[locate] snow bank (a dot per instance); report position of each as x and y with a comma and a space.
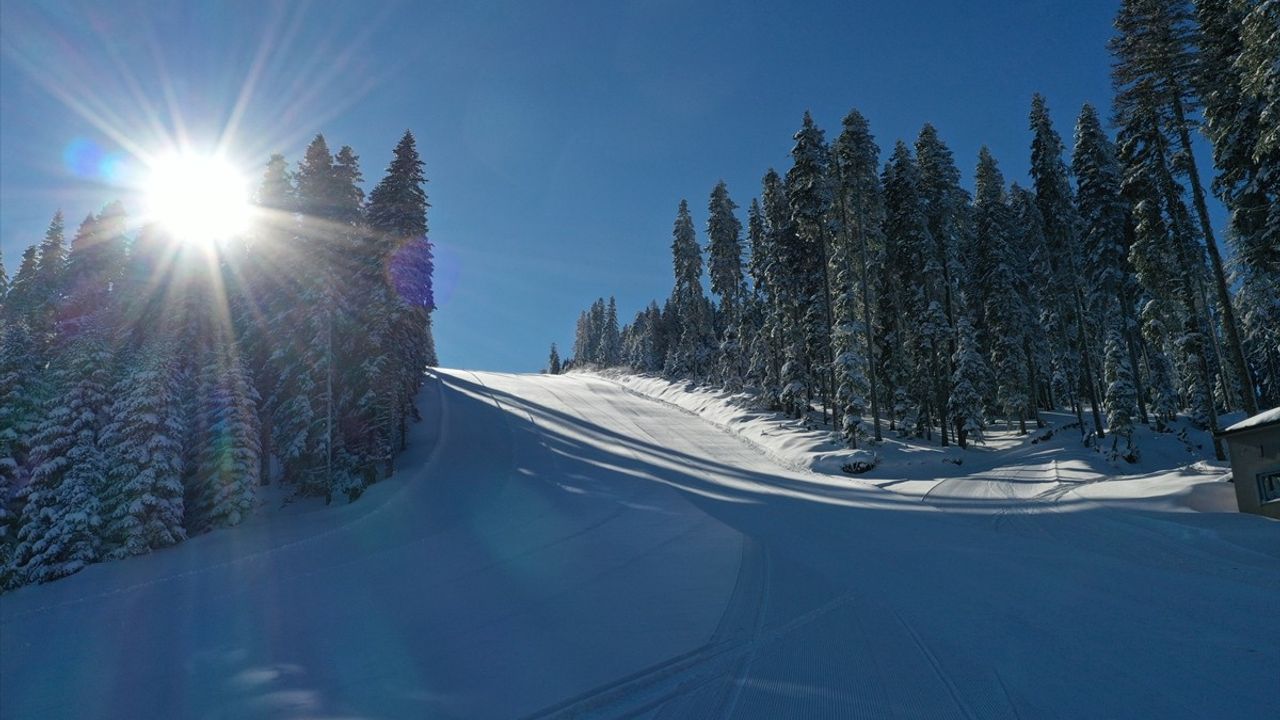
1173, 473
789, 442
1200, 487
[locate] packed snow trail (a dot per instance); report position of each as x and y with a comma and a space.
564, 548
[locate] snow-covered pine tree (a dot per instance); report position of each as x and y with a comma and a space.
553, 363
764, 366
1164, 254
1163, 395
1260, 78
1032, 276
994, 285
1259, 301
1103, 215
1251, 134
693, 349
320, 368
1155, 71
789, 299
611, 337
96, 261
1259, 252
1248, 179
642, 340
966, 400
1121, 396
1158, 273
399, 211
905, 353
258, 301
224, 479
20, 399
724, 265
142, 444
658, 330
582, 338
855, 166
595, 332
52, 260
349, 466
4, 286
22, 288
809, 197
947, 216
931, 333
302, 353
932, 296
61, 520
47, 284
1057, 209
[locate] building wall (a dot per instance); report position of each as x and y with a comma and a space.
1253, 453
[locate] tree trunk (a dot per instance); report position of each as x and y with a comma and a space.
824, 242
1234, 347
868, 332
264, 439
328, 403
941, 393
1125, 311
1089, 384
1032, 382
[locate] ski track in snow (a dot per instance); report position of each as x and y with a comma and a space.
566, 547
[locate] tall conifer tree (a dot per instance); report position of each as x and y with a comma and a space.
1155, 72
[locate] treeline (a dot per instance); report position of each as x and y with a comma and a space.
148, 387
890, 290
597, 338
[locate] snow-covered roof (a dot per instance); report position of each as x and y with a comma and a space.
1268, 417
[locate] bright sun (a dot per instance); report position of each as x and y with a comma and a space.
197, 198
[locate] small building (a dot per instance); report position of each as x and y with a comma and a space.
1254, 444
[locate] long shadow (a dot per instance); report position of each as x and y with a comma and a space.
739, 496
547, 419
593, 444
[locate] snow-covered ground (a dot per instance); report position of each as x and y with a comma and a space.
1171, 472
568, 547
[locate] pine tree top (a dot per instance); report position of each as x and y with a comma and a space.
856, 154
1155, 55
52, 252
988, 186
276, 190
398, 204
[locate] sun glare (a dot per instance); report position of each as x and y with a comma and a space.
197, 198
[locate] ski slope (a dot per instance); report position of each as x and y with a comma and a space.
557, 546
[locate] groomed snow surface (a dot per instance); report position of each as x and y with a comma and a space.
565, 546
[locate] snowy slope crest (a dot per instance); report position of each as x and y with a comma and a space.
789, 442
1174, 471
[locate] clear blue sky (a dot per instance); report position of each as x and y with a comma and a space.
558, 137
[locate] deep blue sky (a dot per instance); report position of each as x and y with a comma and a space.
558, 137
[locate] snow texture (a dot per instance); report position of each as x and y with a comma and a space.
559, 546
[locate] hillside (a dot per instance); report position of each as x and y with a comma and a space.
564, 547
